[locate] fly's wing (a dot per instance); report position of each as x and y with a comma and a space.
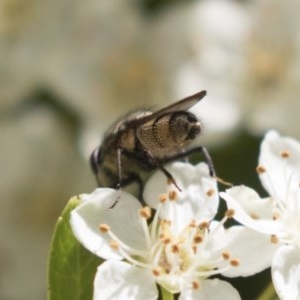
181, 105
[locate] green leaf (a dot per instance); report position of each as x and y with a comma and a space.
71, 268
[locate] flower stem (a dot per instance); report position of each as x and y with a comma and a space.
166, 295
268, 294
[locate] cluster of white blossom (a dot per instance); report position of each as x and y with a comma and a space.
175, 241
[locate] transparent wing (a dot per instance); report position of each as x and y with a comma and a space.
181, 105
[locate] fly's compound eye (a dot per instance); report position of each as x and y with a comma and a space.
194, 130
194, 126
95, 160
185, 127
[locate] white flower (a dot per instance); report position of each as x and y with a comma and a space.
279, 214
181, 248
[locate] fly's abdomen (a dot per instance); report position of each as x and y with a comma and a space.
155, 135
168, 133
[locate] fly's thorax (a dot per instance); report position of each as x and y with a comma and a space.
169, 133
127, 132
127, 140
122, 133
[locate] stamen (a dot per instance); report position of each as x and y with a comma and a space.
230, 213
134, 261
213, 262
145, 212
104, 228
274, 239
156, 253
204, 225
193, 224
285, 154
226, 255
198, 238
210, 193
253, 216
155, 221
196, 285
114, 245
261, 169
165, 223
163, 198
166, 240
175, 248
212, 272
234, 262
156, 272
125, 247
173, 195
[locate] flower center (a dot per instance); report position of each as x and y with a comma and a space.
178, 258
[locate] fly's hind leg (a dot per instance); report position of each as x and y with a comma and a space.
207, 157
189, 152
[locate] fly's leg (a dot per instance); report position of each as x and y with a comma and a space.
133, 177
189, 152
160, 166
94, 163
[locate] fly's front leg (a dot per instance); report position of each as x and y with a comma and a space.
207, 157
94, 163
169, 176
160, 166
119, 168
209, 162
189, 152
119, 172
131, 178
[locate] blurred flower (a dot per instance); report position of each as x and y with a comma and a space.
218, 32
272, 85
181, 248
279, 214
246, 54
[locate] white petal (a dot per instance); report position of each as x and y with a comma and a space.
104, 193
122, 219
278, 169
286, 273
253, 205
214, 289
241, 193
193, 201
253, 250
118, 280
